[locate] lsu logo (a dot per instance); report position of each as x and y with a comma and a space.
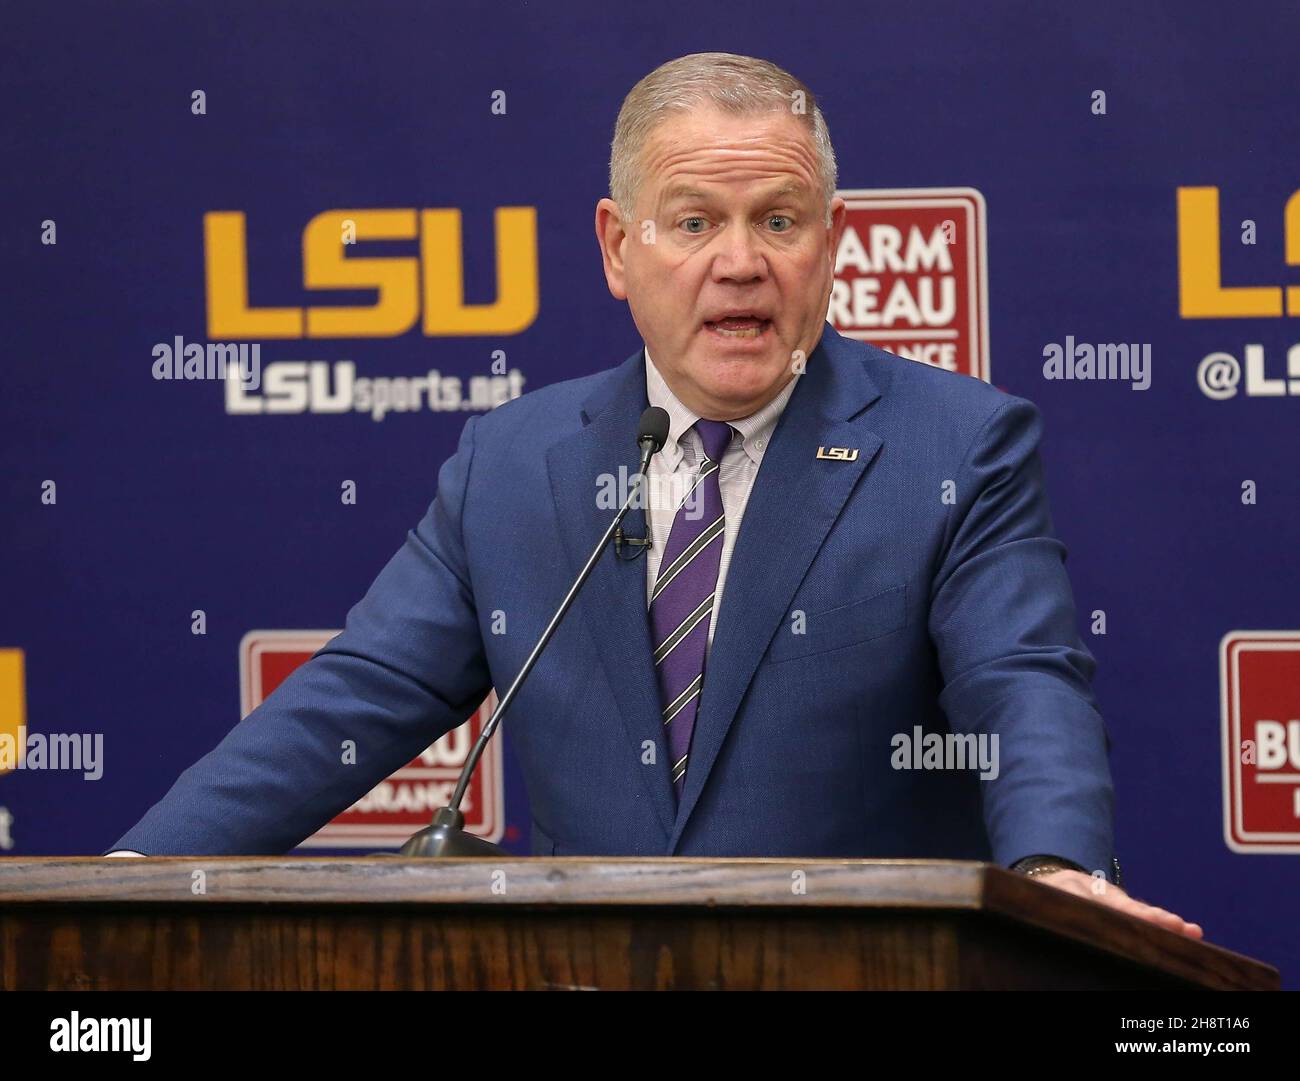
1202, 294
838, 454
430, 284
1259, 679
403, 803
1252, 367
911, 276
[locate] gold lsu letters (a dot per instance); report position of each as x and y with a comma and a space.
1202, 294
432, 280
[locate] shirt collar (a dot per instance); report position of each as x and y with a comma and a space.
755, 430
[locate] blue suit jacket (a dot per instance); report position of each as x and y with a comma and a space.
932, 593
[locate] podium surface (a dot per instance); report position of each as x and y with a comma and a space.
384, 923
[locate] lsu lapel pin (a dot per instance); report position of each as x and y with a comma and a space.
838, 454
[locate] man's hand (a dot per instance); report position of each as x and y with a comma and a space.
1098, 889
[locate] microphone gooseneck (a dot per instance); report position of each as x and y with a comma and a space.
445, 835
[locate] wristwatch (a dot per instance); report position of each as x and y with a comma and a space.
1043, 865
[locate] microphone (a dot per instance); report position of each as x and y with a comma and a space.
654, 426
445, 836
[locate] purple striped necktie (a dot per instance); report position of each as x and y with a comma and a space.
681, 603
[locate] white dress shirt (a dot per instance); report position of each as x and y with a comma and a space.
674, 469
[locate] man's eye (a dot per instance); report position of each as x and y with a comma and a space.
687, 221
781, 217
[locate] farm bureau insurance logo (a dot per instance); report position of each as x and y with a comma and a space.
403, 803
911, 275
1259, 681
1256, 352
425, 287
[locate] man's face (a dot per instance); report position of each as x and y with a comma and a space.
729, 222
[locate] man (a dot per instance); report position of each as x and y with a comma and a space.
738, 691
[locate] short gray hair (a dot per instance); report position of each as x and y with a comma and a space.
739, 85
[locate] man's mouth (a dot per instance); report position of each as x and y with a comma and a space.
739, 326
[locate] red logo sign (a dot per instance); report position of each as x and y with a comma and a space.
404, 803
911, 276
1260, 687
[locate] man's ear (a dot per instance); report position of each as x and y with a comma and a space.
839, 217
612, 237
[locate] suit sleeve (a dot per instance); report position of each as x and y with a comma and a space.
408, 667
1002, 619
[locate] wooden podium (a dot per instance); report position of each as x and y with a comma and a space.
385, 923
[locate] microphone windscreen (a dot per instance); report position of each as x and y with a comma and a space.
654, 426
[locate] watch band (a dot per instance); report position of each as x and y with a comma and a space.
1040, 869
1045, 864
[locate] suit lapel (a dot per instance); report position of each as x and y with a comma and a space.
613, 602
795, 500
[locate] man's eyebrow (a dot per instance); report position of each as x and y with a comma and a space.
682, 191
786, 189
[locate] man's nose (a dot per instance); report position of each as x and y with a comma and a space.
740, 256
